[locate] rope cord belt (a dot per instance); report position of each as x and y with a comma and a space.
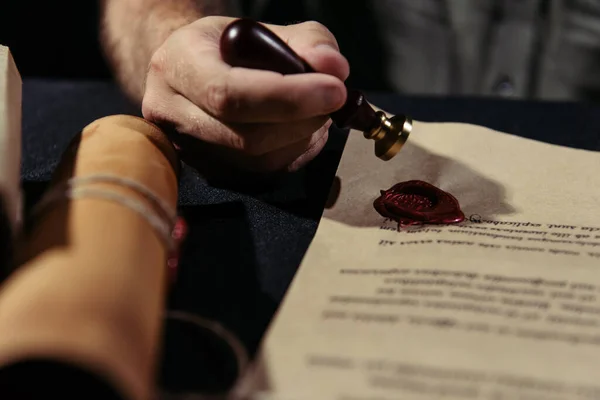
162, 222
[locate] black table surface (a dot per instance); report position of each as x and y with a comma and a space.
244, 248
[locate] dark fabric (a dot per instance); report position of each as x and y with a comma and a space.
47, 379
54, 38
6, 242
244, 248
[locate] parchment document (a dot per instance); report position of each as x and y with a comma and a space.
505, 305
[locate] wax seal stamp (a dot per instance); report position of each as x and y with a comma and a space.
249, 44
417, 203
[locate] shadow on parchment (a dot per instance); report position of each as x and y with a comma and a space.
217, 281
352, 195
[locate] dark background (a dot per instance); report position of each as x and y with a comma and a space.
59, 39
54, 39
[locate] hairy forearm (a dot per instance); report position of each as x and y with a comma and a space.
131, 30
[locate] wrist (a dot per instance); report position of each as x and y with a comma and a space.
133, 30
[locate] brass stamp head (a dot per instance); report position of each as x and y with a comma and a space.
389, 135
249, 44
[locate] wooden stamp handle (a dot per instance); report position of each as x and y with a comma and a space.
249, 44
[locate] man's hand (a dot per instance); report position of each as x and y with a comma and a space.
259, 120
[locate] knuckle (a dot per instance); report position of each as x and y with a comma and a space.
151, 108
157, 63
317, 28
237, 142
156, 108
250, 144
206, 29
219, 101
213, 23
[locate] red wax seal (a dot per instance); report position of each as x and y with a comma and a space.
416, 203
